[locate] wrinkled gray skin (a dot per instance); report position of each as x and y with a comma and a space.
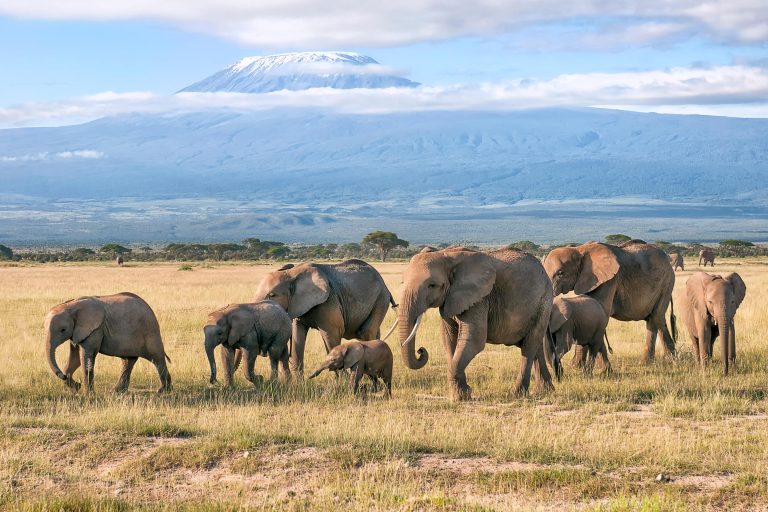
119, 261
347, 300
707, 256
632, 282
259, 328
501, 297
372, 358
120, 325
580, 320
676, 260
709, 303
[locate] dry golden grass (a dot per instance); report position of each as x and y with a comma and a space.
594, 443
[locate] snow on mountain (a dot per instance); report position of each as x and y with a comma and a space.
300, 71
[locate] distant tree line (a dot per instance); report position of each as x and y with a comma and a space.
376, 245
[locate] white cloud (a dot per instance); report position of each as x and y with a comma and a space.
308, 24
45, 156
737, 85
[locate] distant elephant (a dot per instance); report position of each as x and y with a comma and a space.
581, 320
676, 260
709, 303
500, 297
347, 300
120, 325
631, 282
707, 255
372, 358
260, 328
119, 260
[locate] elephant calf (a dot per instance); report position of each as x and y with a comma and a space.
580, 320
259, 328
372, 358
709, 303
120, 325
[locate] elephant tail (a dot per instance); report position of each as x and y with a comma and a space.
673, 320
607, 343
556, 363
392, 301
166, 356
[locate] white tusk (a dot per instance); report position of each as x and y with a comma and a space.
391, 330
413, 332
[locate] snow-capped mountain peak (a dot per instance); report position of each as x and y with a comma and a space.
299, 71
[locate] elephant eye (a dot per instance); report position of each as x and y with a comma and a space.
63, 329
271, 295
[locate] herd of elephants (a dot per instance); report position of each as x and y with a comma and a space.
505, 296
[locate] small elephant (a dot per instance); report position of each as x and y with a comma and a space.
372, 358
709, 305
120, 325
259, 328
119, 260
580, 320
707, 255
676, 260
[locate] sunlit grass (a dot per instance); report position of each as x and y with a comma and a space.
595, 442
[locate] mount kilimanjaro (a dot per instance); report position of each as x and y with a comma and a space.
301, 174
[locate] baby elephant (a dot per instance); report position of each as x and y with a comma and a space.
259, 328
582, 320
120, 325
709, 303
372, 358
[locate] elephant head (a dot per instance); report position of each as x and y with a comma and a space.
226, 326
452, 280
718, 298
296, 288
341, 357
581, 269
73, 320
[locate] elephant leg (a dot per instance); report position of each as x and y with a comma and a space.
354, 379
228, 357
602, 350
592, 351
72, 365
651, 330
579, 359
125, 375
449, 333
284, 366
695, 343
87, 360
704, 347
163, 373
732, 343
473, 331
250, 363
298, 340
541, 372
273, 365
374, 383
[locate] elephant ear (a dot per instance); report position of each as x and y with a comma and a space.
472, 278
558, 317
89, 315
739, 287
353, 354
308, 289
241, 323
598, 266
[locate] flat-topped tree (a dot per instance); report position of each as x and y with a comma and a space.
617, 239
385, 241
114, 249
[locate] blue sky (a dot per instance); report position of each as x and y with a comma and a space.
57, 51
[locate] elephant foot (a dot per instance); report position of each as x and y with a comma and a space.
461, 393
164, 389
120, 389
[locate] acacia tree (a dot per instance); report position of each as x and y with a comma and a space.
385, 241
617, 239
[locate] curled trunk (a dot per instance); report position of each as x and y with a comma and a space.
408, 318
51, 351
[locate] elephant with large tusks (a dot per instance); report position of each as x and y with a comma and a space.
120, 325
347, 300
709, 303
631, 282
501, 297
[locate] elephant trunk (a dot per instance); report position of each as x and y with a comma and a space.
51, 350
724, 325
409, 318
210, 344
320, 370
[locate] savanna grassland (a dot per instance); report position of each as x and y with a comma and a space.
595, 443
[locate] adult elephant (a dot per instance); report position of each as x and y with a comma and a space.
347, 300
501, 297
707, 255
631, 282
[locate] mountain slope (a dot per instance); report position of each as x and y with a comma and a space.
300, 71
